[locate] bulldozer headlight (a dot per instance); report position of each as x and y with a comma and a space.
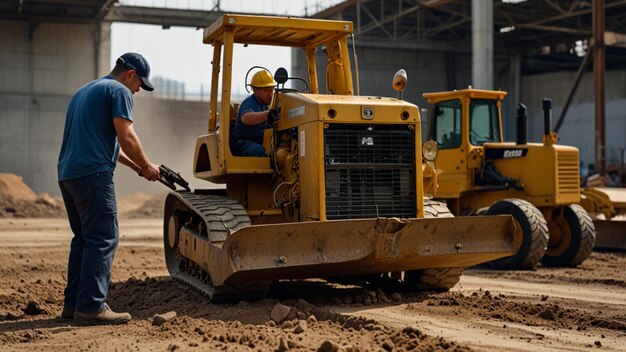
429, 150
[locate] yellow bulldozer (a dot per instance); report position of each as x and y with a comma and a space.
340, 193
537, 183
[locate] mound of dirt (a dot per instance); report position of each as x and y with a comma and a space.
131, 202
151, 207
17, 200
44, 206
12, 187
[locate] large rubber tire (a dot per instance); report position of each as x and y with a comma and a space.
434, 279
534, 234
572, 237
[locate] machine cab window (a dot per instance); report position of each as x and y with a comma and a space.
446, 124
484, 123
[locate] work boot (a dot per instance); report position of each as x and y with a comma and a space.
67, 313
103, 317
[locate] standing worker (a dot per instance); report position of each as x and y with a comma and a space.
97, 123
253, 116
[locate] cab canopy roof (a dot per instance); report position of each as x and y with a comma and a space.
469, 92
280, 31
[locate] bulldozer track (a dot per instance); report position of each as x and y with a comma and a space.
220, 217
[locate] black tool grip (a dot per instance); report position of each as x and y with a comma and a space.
170, 178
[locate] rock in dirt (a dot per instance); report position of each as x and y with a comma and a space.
33, 308
50, 298
161, 319
300, 328
282, 345
279, 313
328, 346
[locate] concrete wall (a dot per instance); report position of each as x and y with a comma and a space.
41, 66
51, 58
40, 71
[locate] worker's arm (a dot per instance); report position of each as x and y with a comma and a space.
131, 147
125, 160
254, 118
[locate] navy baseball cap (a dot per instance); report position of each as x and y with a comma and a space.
134, 61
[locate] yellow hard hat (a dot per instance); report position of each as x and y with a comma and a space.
262, 79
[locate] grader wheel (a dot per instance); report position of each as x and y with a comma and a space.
534, 233
572, 236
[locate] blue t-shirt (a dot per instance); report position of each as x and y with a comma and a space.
250, 132
90, 142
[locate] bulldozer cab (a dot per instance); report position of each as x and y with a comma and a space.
451, 128
467, 125
213, 158
462, 122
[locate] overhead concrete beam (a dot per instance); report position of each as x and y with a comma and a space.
162, 16
430, 46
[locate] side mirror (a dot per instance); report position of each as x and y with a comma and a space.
399, 82
281, 76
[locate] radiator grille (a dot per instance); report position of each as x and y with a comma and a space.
370, 171
568, 181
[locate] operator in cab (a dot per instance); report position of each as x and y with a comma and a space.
253, 117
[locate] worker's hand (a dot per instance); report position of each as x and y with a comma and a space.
150, 171
273, 115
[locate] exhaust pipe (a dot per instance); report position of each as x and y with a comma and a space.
521, 124
549, 137
546, 105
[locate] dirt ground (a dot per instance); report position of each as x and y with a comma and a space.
543, 310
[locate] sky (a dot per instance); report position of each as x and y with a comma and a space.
178, 53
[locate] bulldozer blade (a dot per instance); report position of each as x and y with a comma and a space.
616, 195
610, 234
611, 229
354, 247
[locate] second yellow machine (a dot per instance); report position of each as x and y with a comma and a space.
341, 192
537, 183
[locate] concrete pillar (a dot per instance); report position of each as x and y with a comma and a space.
102, 49
482, 44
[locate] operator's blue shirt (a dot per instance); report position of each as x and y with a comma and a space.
250, 132
90, 142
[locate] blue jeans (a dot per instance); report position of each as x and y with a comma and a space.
245, 147
92, 213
